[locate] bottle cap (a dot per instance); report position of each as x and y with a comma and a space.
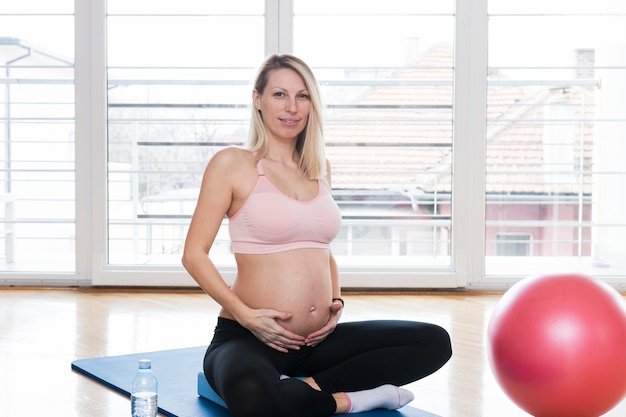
145, 364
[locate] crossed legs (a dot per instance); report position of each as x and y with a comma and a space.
357, 356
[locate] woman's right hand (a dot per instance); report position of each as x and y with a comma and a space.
265, 325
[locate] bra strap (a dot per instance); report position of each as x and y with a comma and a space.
259, 168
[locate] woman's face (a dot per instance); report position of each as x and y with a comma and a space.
284, 105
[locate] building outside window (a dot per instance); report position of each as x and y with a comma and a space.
513, 245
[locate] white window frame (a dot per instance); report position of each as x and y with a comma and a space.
468, 178
468, 204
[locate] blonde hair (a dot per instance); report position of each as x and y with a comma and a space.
310, 142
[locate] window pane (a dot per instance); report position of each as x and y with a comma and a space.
386, 69
37, 200
555, 136
512, 245
170, 107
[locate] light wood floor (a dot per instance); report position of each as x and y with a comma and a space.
43, 330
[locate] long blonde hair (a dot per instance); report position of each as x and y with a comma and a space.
310, 142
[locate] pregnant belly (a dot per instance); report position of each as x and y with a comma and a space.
296, 282
306, 322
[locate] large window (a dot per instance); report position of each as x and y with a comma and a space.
388, 109
389, 97
470, 145
37, 170
556, 136
175, 97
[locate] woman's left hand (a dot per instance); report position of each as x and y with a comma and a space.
319, 335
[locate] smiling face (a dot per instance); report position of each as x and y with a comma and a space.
284, 104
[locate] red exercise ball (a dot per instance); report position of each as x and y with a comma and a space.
557, 345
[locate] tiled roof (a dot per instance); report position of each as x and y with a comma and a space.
400, 134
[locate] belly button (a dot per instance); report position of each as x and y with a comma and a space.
312, 309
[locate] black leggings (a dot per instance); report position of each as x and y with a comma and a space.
359, 355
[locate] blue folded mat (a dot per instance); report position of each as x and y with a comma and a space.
183, 390
206, 391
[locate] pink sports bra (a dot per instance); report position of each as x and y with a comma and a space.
270, 221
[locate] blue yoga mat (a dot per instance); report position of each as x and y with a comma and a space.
177, 371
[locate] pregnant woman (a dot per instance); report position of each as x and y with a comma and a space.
279, 319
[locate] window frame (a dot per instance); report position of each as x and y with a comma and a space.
279, 18
468, 202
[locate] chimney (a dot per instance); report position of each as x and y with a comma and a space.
585, 63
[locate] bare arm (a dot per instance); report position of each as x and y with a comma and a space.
213, 203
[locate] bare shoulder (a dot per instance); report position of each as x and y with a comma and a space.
232, 169
231, 157
231, 162
231, 173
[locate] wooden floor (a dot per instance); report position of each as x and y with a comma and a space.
43, 330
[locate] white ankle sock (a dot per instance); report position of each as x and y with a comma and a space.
385, 396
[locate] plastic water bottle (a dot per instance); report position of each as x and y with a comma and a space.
143, 394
